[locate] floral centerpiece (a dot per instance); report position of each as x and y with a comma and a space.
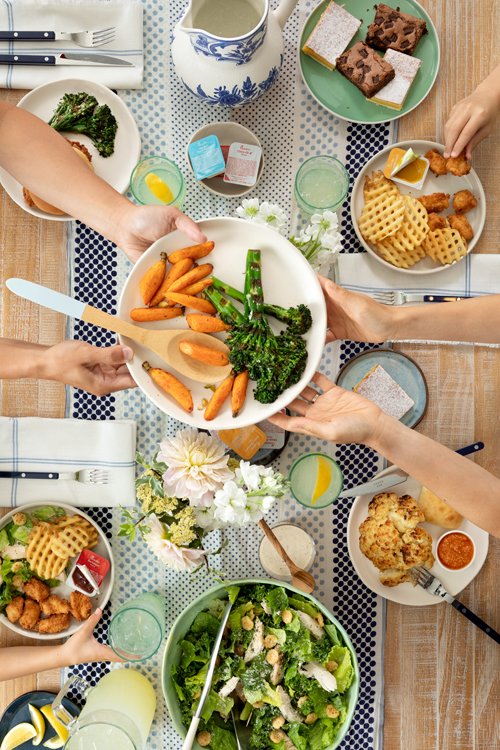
192, 487
319, 242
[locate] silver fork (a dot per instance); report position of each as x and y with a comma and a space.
87, 476
433, 585
400, 298
95, 38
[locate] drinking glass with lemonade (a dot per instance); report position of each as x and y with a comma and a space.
315, 480
158, 181
321, 184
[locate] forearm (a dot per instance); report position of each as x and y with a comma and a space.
476, 320
22, 359
470, 489
42, 160
491, 84
17, 661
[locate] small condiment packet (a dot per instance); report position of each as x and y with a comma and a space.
242, 164
245, 441
206, 157
88, 572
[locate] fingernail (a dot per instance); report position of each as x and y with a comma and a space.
127, 353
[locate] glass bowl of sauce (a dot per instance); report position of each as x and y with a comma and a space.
455, 550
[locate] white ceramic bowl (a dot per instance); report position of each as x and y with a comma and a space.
102, 548
227, 133
447, 533
288, 280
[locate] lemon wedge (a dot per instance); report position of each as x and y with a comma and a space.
38, 722
61, 730
18, 735
159, 188
54, 743
323, 479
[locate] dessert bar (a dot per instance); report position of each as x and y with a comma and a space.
378, 386
406, 68
365, 69
391, 29
331, 35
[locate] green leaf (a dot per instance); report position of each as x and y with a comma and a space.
204, 622
4, 539
222, 739
48, 512
277, 600
332, 633
344, 674
215, 702
304, 606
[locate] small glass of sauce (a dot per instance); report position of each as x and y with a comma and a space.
455, 550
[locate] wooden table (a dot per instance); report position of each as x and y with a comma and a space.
441, 673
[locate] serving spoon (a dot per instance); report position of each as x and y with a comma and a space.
163, 343
300, 578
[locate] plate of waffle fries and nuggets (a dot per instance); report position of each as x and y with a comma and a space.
56, 568
415, 211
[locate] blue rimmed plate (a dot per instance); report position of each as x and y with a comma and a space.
18, 712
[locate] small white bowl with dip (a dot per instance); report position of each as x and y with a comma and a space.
296, 542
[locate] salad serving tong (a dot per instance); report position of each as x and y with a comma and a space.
96, 38
433, 585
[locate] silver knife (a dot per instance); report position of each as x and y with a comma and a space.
193, 727
66, 58
398, 477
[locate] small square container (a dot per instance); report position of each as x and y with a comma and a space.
243, 162
206, 157
88, 572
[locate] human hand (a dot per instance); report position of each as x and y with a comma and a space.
83, 648
470, 121
98, 370
336, 414
355, 317
140, 226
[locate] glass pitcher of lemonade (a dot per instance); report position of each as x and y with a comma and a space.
118, 712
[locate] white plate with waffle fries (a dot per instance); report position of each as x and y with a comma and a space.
399, 231
379, 541
39, 544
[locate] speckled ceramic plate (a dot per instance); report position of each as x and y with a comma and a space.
339, 96
404, 370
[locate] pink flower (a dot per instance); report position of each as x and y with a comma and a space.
177, 558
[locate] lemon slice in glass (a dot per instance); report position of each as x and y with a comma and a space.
38, 722
323, 478
58, 726
18, 735
159, 188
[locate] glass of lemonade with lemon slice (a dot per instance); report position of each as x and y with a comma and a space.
158, 181
315, 480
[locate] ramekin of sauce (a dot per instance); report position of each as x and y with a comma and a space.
455, 550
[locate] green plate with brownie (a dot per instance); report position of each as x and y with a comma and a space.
338, 95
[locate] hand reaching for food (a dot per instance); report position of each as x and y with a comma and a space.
83, 648
473, 118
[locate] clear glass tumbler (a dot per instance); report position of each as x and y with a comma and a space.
321, 184
158, 181
137, 629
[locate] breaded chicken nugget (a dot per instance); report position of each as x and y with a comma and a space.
54, 605
436, 221
435, 202
464, 201
437, 162
81, 606
37, 590
30, 615
14, 609
461, 224
458, 165
54, 624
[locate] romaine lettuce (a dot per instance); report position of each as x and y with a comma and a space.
4, 539
216, 703
301, 604
204, 622
344, 674
277, 600
222, 739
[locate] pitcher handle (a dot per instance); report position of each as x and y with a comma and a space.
284, 11
60, 712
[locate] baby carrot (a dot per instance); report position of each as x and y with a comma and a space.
196, 274
194, 251
175, 272
206, 354
152, 279
220, 394
194, 289
171, 385
186, 300
206, 323
239, 392
145, 314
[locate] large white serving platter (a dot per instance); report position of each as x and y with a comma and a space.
288, 280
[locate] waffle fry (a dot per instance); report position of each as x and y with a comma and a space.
39, 554
381, 217
404, 248
445, 245
81, 523
377, 185
69, 541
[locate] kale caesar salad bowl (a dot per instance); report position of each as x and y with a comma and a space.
286, 668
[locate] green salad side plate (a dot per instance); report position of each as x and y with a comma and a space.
339, 96
184, 621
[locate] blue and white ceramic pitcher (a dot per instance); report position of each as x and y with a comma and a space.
230, 52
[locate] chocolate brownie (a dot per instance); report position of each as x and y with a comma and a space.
365, 69
391, 29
